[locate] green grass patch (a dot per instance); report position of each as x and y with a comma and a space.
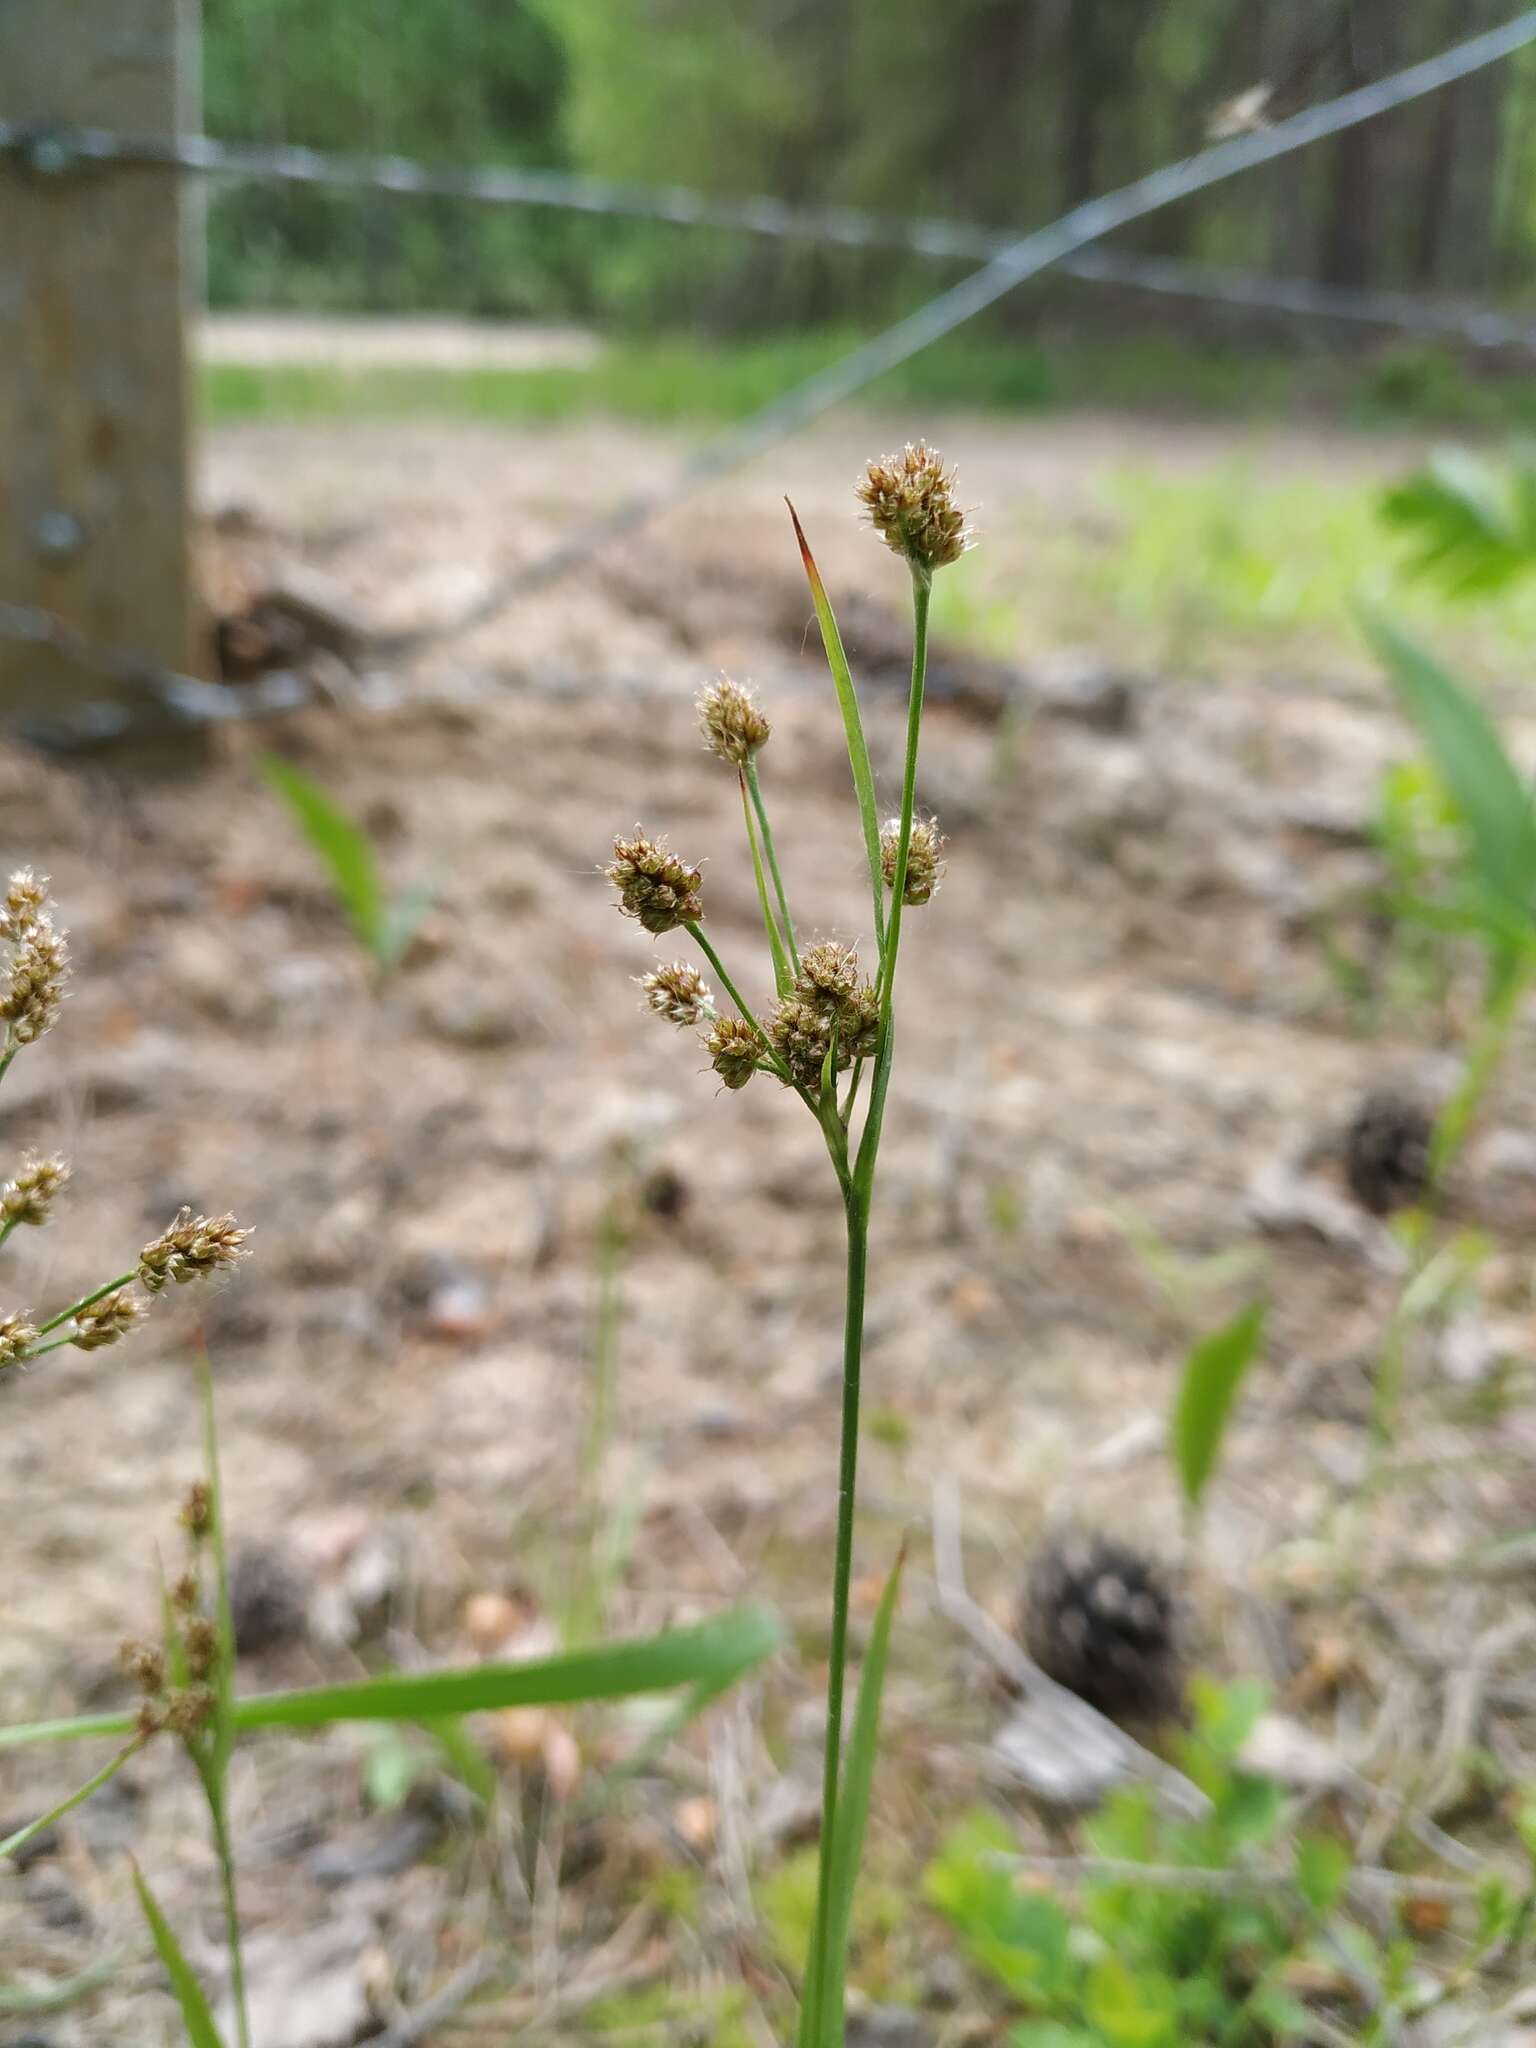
1182, 569
669, 379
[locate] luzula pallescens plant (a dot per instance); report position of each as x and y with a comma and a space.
831, 1017
34, 970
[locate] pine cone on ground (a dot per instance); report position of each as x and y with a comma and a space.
1386, 1152
1101, 1619
266, 1602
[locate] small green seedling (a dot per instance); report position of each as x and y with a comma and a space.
383, 925
1213, 1373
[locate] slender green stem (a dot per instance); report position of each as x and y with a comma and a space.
739, 1000
224, 1849
42, 1350
64, 1314
869, 1143
22, 1836
781, 968
7, 1227
856, 1205
785, 920
7, 1056
853, 1092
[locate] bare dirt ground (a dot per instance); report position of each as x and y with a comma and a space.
1116, 1023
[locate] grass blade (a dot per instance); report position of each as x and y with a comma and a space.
853, 1814
715, 1650
195, 2013
853, 726
1470, 759
713, 1654
1212, 1374
344, 849
22, 1836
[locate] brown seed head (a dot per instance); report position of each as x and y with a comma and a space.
107, 1320
202, 1640
28, 1198
149, 1721
731, 723
910, 500
35, 989
679, 993
186, 1593
191, 1247
830, 998
734, 1050
189, 1711
925, 861
17, 1336
145, 1665
653, 884
25, 901
197, 1510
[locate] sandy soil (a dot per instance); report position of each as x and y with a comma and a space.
1115, 1017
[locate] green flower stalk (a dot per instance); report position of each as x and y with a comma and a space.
829, 1019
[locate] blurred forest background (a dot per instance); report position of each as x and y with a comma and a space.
1000, 111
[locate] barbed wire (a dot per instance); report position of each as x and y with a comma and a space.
51, 150
55, 149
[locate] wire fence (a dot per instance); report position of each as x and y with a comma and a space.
1007, 261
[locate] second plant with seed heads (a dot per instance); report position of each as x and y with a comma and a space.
831, 1021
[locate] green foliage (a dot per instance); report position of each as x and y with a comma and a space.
1484, 784
1131, 1963
381, 924
1472, 522
195, 2013
1213, 1373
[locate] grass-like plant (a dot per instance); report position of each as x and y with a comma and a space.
829, 1023
186, 1678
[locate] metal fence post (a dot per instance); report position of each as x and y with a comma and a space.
97, 268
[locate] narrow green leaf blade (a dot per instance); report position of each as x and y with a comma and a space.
343, 847
1212, 1374
712, 1652
1470, 759
853, 724
20, 1838
195, 2013
852, 1814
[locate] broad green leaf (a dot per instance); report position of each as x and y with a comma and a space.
852, 1814
195, 2013
342, 845
1471, 760
710, 1653
1468, 522
1322, 1871
23, 1835
853, 725
1213, 1372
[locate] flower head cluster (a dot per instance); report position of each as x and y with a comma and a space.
679, 993
732, 725
830, 1003
734, 1049
654, 885
34, 986
17, 1336
191, 1247
925, 858
910, 500
24, 905
103, 1322
29, 1196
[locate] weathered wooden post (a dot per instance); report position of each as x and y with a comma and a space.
98, 265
